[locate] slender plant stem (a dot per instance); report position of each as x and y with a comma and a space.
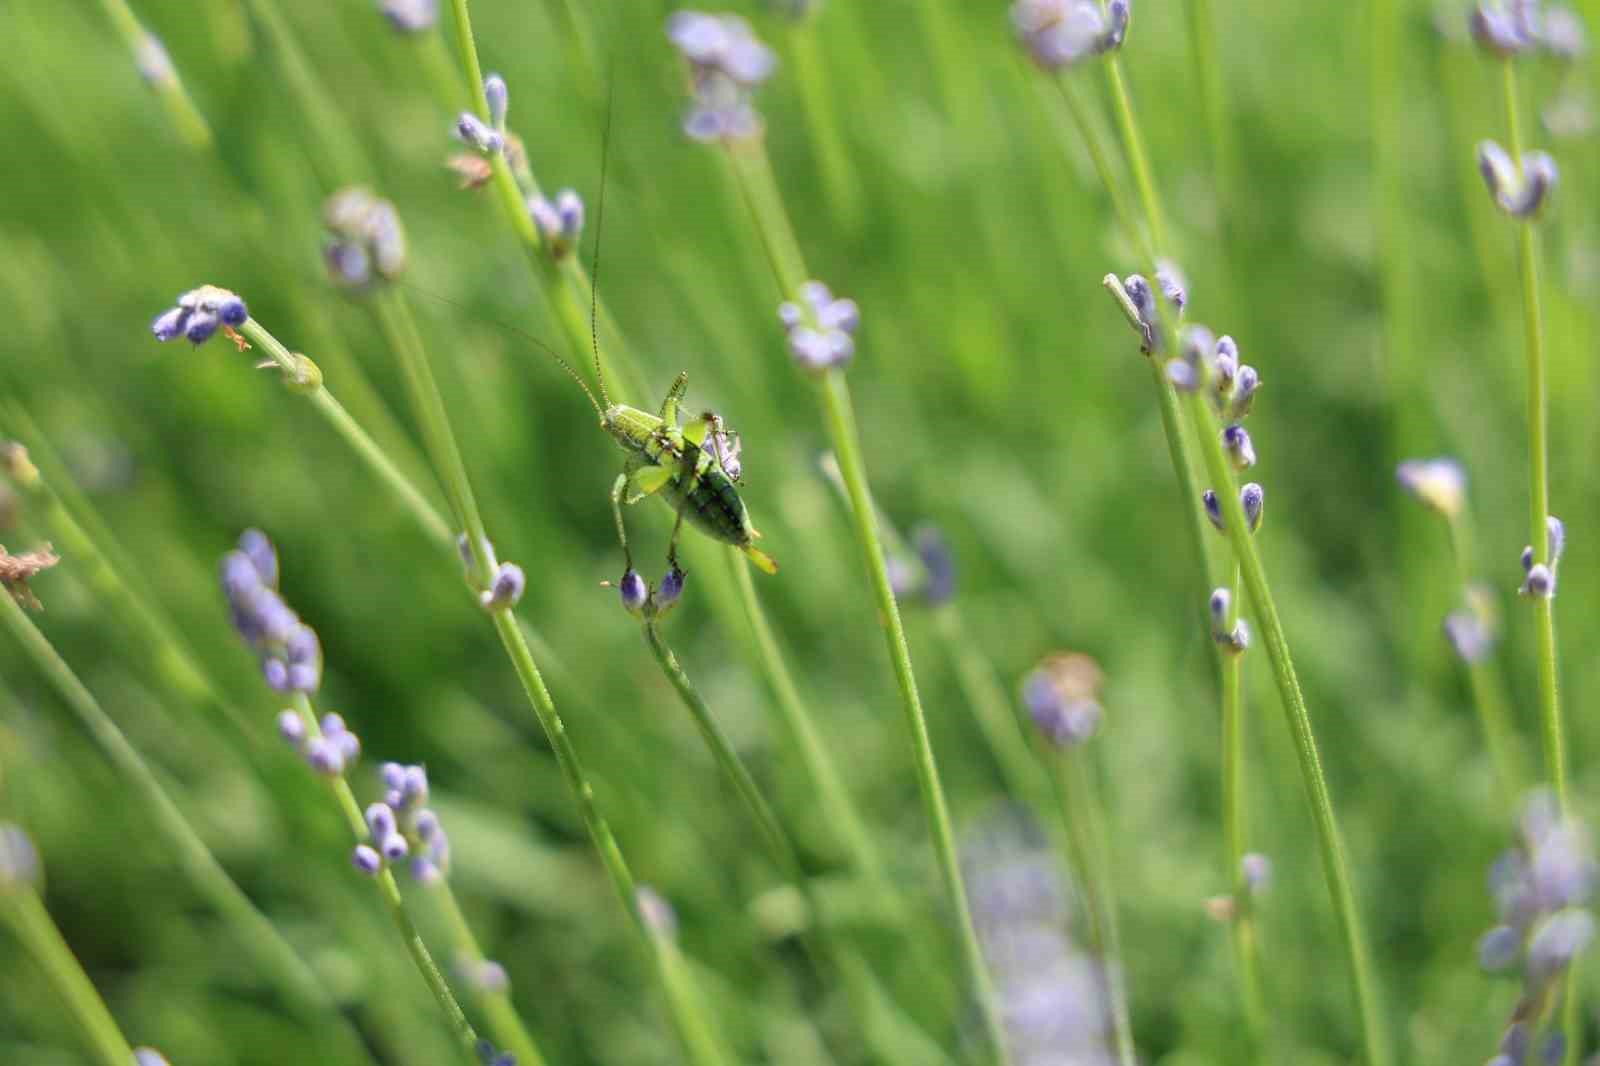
1551, 729
1488, 693
1331, 847
1133, 143
504, 1021
339, 157
191, 125
257, 935
389, 892
1079, 803
1235, 822
25, 913
753, 172
1100, 157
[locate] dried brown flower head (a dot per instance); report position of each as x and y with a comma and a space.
15, 570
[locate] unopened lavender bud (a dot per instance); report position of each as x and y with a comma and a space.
325, 757
507, 589
366, 859
304, 654
424, 871
1060, 697
545, 217
1499, 173
569, 210
1557, 941
1539, 176
1497, 949
1540, 582
149, 1056
1227, 366
1213, 507
671, 588
348, 263
380, 820
1246, 382
1221, 608
499, 97
232, 310
394, 847
393, 776
19, 860
202, 324
1256, 869
788, 313
1498, 31
410, 16
841, 314
1556, 537
415, 789
473, 132
170, 323
1171, 280
259, 550
1236, 442
275, 672
1254, 499
1468, 636
634, 591
1182, 375
425, 824
388, 240
291, 727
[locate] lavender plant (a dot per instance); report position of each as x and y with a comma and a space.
726, 63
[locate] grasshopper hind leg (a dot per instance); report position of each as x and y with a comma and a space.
618, 487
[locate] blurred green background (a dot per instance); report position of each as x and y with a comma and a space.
933, 177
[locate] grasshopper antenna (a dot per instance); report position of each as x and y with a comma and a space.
599, 223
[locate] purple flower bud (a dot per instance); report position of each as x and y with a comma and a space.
149, 1056
258, 549
499, 97
424, 872
840, 314
393, 776
387, 240
202, 324
1254, 499
232, 311
292, 728
1539, 176
569, 210
1256, 869
1236, 442
1170, 279
1540, 582
19, 860
1471, 639
240, 578
304, 653
410, 16
671, 588
380, 820
325, 757
366, 859
349, 265
1562, 33
1063, 708
394, 847
1182, 375
1557, 941
425, 824
1246, 382
509, 583
1213, 508
349, 747
415, 789
1498, 31
634, 591
472, 132
276, 673
1556, 537
1497, 949
788, 313
545, 217
170, 323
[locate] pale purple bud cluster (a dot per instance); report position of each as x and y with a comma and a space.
403, 827
560, 222
19, 860
1062, 697
727, 62
1505, 30
410, 16
1252, 497
365, 239
199, 313
1540, 579
1438, 484
1234, 384
1519, 190
1059, 33
1541, 890
1231, 632
331, 751
1143, 298
155, 65
507, 589
291, 655
821, 328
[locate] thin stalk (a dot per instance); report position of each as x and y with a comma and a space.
504, 1021
339, 157
834, 797
1235, 819
1208, 71
389, 892
1080, 812
257, 935
1488, 691
1100, 157
1335, 867
1551, 730
25, 913
191, 125
401, 331
754, 175
1134, 145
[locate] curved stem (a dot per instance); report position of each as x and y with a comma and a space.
1134, 144
25, 913
754, 175
1488, 695
1235, 819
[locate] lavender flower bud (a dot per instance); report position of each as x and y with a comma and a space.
275, 672
366, 859
304, 654
410, 16
1471, 639
1059, 33
259, 550
348, 263
1562, 33
202, 324
569, 209
475, 134
1236, 442
1061, 697
1256, 869
1557, 941
19, 860
1519, 188
380, 820
1168, 276
1254, 499
393, 776
325, 757
1246, 382
387, 239
1540, 582
634, 591
1213, 508
425, 823
394, 847
170, 323
499, 97
232, 311
415, 789
1555, 537
1497, 949
292, 728
1499, 31
240, 578
671, 588
509, 583
149, 1056
1221, 605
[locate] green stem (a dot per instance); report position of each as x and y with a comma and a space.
338, 157
1136, 157
1335, 868
1235, 819
1488, 694
389, 892
191, 125
754, 174
1100, 157
504, 1021
257, 935
1080, 812
24, 911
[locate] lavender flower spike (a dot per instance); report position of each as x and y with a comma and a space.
199, 313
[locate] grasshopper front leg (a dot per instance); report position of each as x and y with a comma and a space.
669, 406
617, 488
